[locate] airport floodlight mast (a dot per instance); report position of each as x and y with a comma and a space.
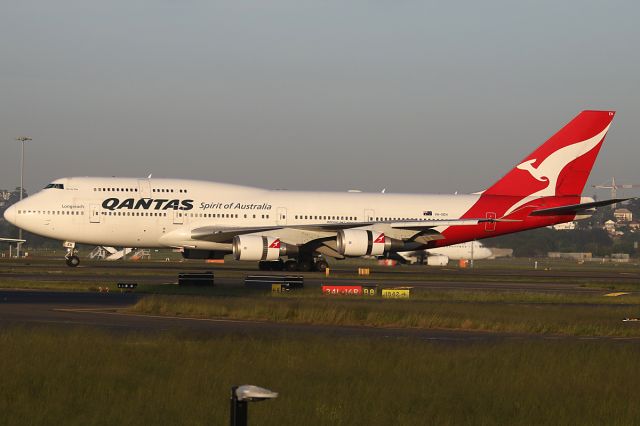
614, 187
21, 139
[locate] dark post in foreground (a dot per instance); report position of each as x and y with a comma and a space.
238, 409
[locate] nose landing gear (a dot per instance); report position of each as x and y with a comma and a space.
71, 257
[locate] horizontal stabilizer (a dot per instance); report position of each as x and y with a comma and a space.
576, 208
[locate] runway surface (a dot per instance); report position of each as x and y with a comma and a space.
105, 311
83, 309
157, 273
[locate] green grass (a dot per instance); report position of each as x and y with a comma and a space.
54, 376
51, 285
496, 316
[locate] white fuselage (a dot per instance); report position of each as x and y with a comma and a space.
134, 212
471, 250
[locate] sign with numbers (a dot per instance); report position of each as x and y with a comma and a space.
348, 290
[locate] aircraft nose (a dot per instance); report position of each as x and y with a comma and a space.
10, 214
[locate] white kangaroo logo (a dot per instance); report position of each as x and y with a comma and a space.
550, 168
535, 172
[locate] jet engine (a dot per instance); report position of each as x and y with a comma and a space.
437, 260
256, 247
360, 242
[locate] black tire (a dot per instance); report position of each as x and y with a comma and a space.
320, 266
305, 265
73, 261
271, 265
278, 265
291, 265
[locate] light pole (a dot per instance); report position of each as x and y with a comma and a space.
240, 396
22, 139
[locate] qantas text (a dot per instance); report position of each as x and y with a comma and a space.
147, 204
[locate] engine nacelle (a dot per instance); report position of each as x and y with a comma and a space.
360, 242
437, 260
256, 247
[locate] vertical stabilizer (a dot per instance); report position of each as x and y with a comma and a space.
561, 165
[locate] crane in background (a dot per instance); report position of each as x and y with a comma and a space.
614, 187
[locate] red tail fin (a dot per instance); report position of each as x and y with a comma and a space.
561, 165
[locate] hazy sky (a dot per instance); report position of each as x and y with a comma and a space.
405, 95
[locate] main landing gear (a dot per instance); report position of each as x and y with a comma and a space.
71, 258
304, 264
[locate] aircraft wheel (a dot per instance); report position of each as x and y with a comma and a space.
320, 266
305, 265
73, 261
291, 265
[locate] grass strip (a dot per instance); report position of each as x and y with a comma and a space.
538, 318
79, 377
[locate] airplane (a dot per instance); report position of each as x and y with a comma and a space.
440, 256
207, 220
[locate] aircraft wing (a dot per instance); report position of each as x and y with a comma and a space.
218, 234
226, 234
575, 208
433, 223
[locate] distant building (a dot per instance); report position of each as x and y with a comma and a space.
574, 256
623, 215
4, 197
624, 257
567, 226
610, 226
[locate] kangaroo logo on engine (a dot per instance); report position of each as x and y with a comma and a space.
146, 204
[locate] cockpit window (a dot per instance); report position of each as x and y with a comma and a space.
54, 186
